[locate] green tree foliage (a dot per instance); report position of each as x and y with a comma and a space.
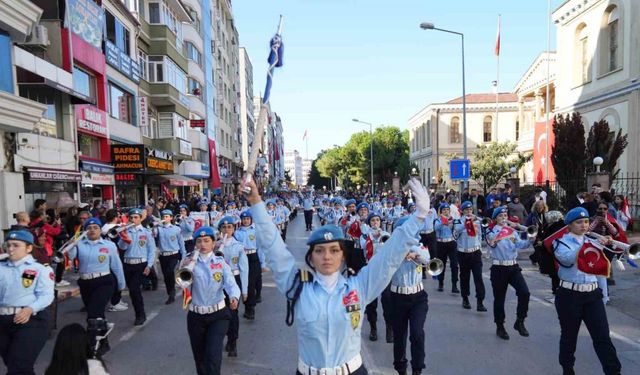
314, 177
568, 154
491, 162
608, 145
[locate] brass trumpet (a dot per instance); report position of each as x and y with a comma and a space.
633, 249
435, 267
532, 230
184, 276
485, 222
58, 256
114, 232
177, 220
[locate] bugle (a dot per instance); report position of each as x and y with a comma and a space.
58, 256
532, 230
114, 232
177, 220
485, 222
633, 249
435, 267
184, 276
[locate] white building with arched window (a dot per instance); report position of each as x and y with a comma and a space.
598, 66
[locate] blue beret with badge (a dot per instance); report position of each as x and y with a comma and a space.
443, 206
21, 235
324, 234
371, 216
166, 212
336, 200
498, 211
184, 206
91, 221
362, 205
575, 214
204, 232
231, 203
349, 202
246, 213
135, 211
226, 220
400, 221
270, 201
466, 204
203, 202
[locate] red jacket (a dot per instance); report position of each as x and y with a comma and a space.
51, 231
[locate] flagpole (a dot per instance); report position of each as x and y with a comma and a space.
548, 99
497, 80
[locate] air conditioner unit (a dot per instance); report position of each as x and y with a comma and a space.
39, 37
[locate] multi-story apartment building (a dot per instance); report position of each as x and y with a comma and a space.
247, 119
306, 169
293, 164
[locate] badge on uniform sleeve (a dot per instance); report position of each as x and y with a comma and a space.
173, 238
419, 269
52, 276
351, 304
252, 237
102, 258
234, 260
28, 276
355, 319
217, 276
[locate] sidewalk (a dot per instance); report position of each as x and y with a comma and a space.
71, 290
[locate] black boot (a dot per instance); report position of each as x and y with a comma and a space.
170, 300
140, 320
440, 286
416, 372
249, 314
454, 288
389, 335
568, 371
403, 372
501, 332
465, 303
233, 352
373, 334
481, 306
519, 326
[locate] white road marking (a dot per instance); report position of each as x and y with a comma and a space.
127, 336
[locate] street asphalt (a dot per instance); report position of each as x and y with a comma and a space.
458, 341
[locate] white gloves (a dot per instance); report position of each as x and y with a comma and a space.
421, 197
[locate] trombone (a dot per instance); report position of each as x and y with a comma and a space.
58, 257
114, 232
633, 250
532, 230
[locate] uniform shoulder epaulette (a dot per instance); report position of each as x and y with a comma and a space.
305, 275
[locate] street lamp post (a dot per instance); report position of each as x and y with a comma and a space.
370, 147
430, 26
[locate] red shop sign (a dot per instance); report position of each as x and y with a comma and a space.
92, 120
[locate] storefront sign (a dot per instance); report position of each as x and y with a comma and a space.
159, 161
86, 19
128, 179
143, 115
128, 158
121, 61
93, 178
95, 167
38, 174
193, 169
91, 120
196, 123
185, 147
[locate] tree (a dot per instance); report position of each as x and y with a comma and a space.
491, 162
315, 177
606, 144
568, 154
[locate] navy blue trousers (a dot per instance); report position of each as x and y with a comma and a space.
501, 278
206, 334
448, 250
408, 311
255, 273
20, 344
168, 265
133, 276
96, 294
471, 263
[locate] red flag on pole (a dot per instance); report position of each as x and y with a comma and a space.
305, 135
497, 51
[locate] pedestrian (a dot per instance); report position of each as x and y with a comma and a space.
517, 209
606, 225
622, 213
26, 290
322, 300
505, 271
446, 247
139, 258
72, 354
209, 314
409, 307
537, 218
580, 297
98, 259
469, 255
172, 249
246, 235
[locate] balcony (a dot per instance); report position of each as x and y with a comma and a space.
18, 114
197, 106
163, 42
198, 139
21, 16
167, 98
180, 148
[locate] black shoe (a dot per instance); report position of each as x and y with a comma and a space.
258, 299
389, 335
481, 307
249, 315
519, 326
440, 288
232, 349
83, 309
402, 372
416, 372
454, 289
501, 332
140, 320
373, 335
170, 300
568, 371
611, 282
465, 303
228, 346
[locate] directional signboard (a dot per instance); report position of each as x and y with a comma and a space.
459, 169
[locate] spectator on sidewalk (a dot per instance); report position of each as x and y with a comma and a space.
622, 213
72, 354
22, 221
95, 211
517, 209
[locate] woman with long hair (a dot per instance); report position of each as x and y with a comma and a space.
71, 354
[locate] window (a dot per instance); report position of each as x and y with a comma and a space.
163, 70
117, 33
428, 133
161, 14
582, 65
454, 130
486, 127
611, 40
154, 13
84, 82
517, 130
49, 125
172, 125
613, 45
193, 54
120, 104
195, 88
89, 146
143, 62
151, 131
194, 17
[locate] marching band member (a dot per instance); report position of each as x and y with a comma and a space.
409, 303
26, 289
328, 315
236, 258
446, 247
580, 297
470, 255
139, 257
505, 271
307, 206
232, 211
209, 314
428, 236
187, 227
246, 235
215, 214
99, 263
397, 211
376, 206
387, 221
201, 218
284, 213
172, 249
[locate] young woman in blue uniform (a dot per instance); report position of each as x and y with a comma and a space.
26, 289
172, 249
209, 314
246, 235
470, 255
187, 226
579, 298
446, 246
327, 307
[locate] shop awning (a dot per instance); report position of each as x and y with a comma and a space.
173, 180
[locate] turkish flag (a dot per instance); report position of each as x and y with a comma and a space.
540, 157
470, 227
592, 260
354, 230
369, 247
504, 233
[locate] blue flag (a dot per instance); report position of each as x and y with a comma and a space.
275, 60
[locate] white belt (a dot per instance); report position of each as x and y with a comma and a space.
406, 289
590, 287
95, 275
345, 369
471, 250
236, 272
496, 262
426, 232
168, 253
134, 260
207, 309
448, 239
9, 310
187, 238
250, 251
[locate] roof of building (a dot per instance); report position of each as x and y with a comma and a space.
503, 97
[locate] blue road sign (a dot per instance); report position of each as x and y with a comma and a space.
459, 169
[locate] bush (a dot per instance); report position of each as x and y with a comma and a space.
528, 191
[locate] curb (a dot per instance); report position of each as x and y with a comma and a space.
68, 292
